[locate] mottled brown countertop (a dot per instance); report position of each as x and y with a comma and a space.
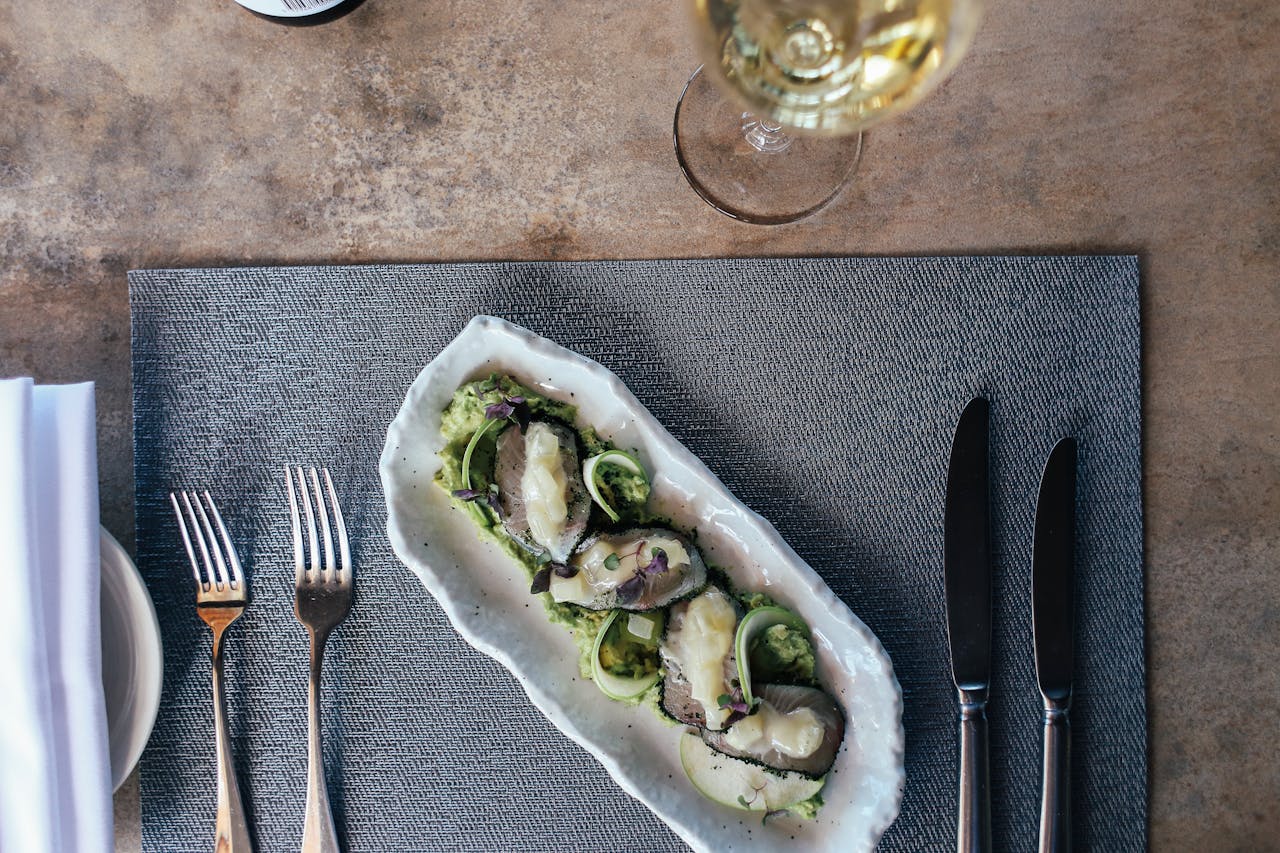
149, 133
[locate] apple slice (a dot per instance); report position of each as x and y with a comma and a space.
740, 784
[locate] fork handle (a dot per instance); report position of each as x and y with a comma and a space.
318, 832
231, 831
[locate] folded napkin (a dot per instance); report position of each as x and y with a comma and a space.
55, 777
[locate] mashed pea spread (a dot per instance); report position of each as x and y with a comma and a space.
464, 415
783, 655
628, 652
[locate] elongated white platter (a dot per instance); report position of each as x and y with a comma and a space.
486, 595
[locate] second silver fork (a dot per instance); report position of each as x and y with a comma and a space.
322, 599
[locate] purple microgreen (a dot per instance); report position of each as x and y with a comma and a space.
490, 496
629, 590
543, 558
744, 802
564, 571
498, 411
736, 704
658, 564
541, 581
514, 407
611, 562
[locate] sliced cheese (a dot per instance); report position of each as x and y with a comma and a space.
797, 733
544, 486
701, 647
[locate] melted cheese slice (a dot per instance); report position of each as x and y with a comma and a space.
632, 554
797, 733
595, 578
544, 487
701, 646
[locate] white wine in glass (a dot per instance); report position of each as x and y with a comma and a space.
798, 82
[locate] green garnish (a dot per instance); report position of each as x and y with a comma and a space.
612, 562
471, 446
756, 625
591, 476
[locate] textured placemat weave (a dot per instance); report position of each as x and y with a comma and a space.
824, 394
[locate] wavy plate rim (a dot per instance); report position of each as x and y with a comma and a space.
472, 629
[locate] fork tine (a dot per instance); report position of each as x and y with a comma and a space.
204, 548
314, 563
237, 571
296, 521
330, 570
224, 577
344, 567
186, 540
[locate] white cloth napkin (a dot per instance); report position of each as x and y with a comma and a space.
55, 775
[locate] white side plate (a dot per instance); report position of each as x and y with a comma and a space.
132, 661
485, 594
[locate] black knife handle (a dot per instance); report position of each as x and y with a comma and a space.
1055, 805
973, 831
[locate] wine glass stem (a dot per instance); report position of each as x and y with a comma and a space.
764, 135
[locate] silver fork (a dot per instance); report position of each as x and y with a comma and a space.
221, 596
322, 599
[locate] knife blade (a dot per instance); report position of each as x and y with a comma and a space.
967, 576
1052, 592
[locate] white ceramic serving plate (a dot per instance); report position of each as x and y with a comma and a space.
132, 661
486, 595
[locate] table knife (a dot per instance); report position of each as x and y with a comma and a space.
1052, 582
967, 573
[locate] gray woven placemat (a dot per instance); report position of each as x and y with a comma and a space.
824, 394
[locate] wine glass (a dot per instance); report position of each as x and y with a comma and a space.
769, 130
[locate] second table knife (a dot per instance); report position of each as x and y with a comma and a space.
967, 571
1052, 590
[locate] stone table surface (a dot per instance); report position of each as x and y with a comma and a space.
149, 133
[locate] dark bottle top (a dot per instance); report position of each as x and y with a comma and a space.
299, 13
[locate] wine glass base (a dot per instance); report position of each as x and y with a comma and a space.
750, 169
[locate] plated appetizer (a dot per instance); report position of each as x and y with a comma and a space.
652, 620
636, 668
